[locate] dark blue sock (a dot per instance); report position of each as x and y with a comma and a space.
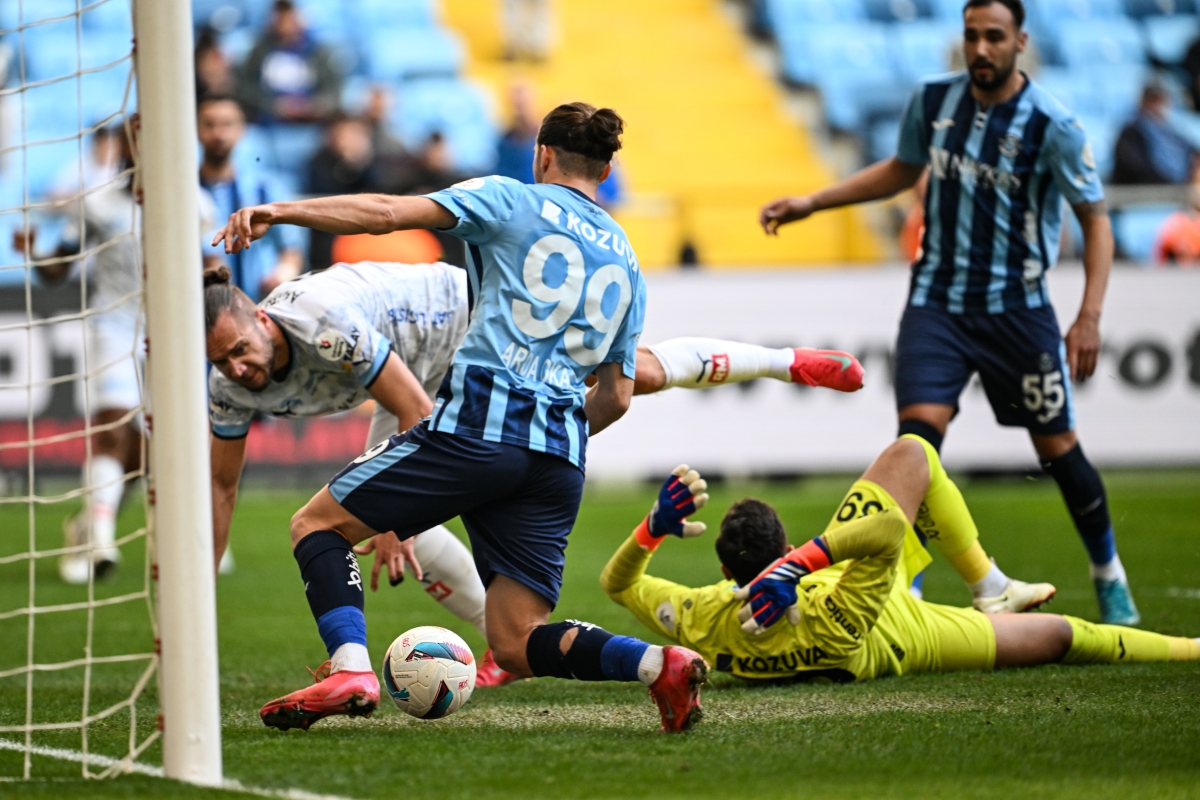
919, 582
333, 585
922, 429
595, 655
1083, 491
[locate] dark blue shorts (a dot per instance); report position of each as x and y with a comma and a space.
1019, 355
518, 505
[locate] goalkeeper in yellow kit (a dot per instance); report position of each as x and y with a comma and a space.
838, 607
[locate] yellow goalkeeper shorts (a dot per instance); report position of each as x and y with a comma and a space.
963, 636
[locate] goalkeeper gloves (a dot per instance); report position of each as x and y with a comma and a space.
773, 593
680, 496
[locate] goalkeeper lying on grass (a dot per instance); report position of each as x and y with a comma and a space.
838, 607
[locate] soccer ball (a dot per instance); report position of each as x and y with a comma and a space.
429, 672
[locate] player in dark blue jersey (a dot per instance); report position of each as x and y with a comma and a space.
1002, 155
556, 298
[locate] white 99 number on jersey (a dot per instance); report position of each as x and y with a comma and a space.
565, 298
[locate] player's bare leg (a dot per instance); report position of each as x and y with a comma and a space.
525, 644
116, 452
1084, 494
701, 363
1028, 640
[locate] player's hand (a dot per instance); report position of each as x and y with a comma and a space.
245, 226
681, 495
773, 593
783, 211
394, 553
1083, 346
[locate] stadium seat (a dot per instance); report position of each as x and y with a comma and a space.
111, 17
1091, 43
292, 146
1146, 8
882, 139
1168, 38
237, 43
1137, 227
393, 13
1187, 123
792, 18
429, 106
1075, 90
223, 15
1119, 88
398, 54
1057, 12
922, 48
898, 10
856, 77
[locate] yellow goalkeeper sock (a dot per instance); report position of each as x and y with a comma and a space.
945, 519
1115, 644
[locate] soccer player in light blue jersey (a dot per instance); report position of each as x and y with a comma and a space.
1002, 155
556, 297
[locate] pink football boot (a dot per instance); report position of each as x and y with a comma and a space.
832, 369
352, 693
677, 688
491, 674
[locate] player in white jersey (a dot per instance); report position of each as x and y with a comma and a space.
332, 337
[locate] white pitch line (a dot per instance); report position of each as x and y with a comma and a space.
228, 785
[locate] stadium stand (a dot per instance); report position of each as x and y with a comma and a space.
681, 74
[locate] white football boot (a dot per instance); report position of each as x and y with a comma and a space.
1017, 596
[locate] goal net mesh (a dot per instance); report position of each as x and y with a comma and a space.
77, 621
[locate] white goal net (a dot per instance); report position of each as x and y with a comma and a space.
79, 637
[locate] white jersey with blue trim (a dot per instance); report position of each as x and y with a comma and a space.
556, 291
997, 179
340, 325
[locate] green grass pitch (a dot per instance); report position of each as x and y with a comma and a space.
1054, 731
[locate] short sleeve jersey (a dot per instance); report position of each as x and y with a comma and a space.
993, 211
341, 324
556, 291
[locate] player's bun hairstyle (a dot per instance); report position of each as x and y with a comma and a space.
220, 295
1015, 6
584, 136
752, 536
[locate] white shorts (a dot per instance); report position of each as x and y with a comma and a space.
116, 360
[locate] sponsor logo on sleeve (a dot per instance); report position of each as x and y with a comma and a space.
666, 615
333, 346
720, 368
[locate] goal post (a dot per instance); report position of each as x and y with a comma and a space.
182, 510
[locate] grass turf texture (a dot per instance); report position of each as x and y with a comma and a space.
1062, 731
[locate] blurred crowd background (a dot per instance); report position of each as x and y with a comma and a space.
311, 97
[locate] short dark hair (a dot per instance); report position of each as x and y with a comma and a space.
1015, 6
217, 97
752, 536
585, 137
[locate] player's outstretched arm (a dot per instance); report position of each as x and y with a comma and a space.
1083, 338
876, 182
681, 495
341, 214
227, 457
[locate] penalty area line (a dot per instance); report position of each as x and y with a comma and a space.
228, 785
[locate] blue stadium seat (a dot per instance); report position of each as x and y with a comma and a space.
1120, 88
1075, 90
850, 64
50, 50
393, 13
790, 18
1099, 42
1058, 12
109, 17
454, 108
1168, 38
948, 10
898, 10
1146, 8
923, 48
882, 138
1187, 123
1136, 229
399, 54
292, 146
220, 14
237, 43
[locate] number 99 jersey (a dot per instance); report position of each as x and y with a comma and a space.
555, 291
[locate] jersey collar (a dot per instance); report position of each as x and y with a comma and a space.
576, 191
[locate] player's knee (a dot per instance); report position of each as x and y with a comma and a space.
302, 525
1059, 639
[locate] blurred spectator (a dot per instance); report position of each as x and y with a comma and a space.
288, 77
260, 269
611, 191
1178, 241
526, 25
431, 170
1148, 149
515, 148
214, 74
345, 164
101, 164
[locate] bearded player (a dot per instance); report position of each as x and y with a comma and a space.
838, 607
1002, 155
